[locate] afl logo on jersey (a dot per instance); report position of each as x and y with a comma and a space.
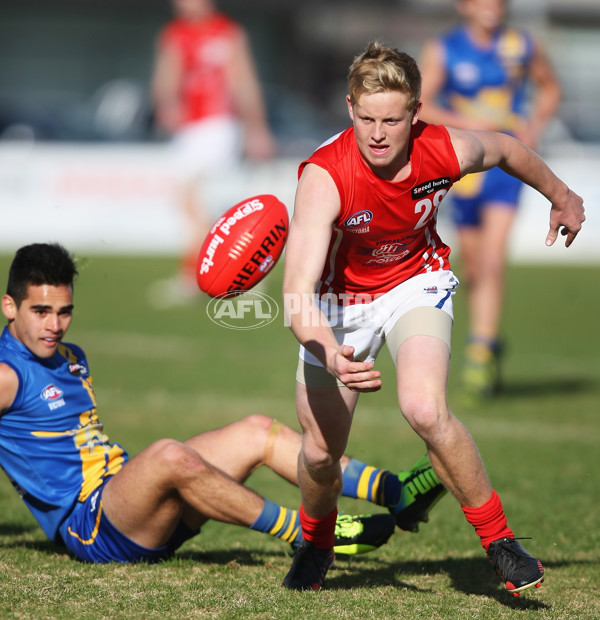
51, 392
53, 396
359, 219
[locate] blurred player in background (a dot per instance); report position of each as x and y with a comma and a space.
365, 266
479, 76
86, 493
206, 95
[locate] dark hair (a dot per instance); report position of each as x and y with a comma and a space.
37, 264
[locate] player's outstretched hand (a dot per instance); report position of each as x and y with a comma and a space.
357, 376
566, 215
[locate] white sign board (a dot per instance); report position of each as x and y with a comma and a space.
120, 199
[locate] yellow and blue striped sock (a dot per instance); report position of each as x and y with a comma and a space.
380, 486
279, 522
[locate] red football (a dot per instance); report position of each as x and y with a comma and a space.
243, 246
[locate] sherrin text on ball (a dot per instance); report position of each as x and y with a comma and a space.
243, 245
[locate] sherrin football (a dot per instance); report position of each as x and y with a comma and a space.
243, 246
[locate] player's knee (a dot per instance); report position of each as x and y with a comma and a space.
424, 415
174, 456
257, 430
258, 423
495, 269
323, 469
317, 458
160, 445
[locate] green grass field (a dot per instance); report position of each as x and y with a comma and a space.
175, 373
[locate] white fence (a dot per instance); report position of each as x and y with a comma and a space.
120, 199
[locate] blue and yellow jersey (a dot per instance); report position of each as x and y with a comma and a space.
487, 82
52, 445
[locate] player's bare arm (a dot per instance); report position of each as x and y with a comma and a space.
480, 150
546, 97
166, 84
9, 384
245, 87
316, 206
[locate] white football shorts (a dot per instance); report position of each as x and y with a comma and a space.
422, 305
206, 147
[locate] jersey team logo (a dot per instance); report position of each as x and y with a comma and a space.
77, 369
360, 219
51, 393
388, 253
53, 396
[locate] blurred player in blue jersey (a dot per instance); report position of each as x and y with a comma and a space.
479, 76
87, 494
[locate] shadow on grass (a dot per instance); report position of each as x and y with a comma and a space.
533, 388
42, 546
243, 557
472, 576
14, 529
468, 575
18, 536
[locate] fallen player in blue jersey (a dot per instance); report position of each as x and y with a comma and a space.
85, 491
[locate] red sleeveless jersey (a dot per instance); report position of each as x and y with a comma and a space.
205, 48
385, 231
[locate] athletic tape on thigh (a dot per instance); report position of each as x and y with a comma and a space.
423, 321
270, 441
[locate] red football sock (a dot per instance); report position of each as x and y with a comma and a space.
321, 532
489, 521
